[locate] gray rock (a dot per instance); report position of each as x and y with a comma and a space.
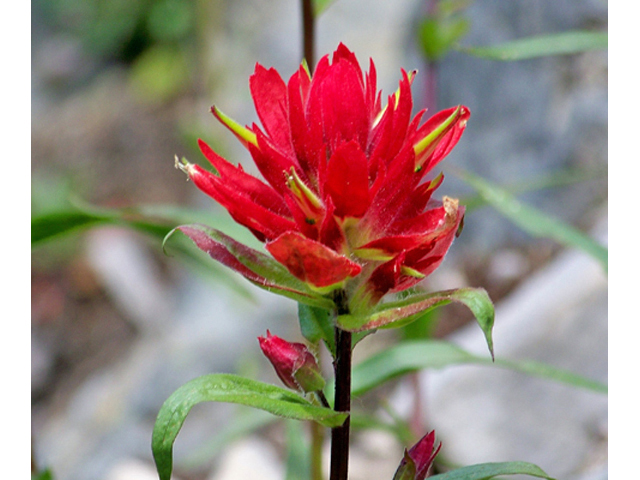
557, 316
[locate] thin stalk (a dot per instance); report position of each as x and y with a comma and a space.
342, 367
431, 88
431, 78
417, 414
317, 438
308, 33
323, 399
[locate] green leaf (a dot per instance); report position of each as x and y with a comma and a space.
43, 475
316, 324
159, 73
438, 35
259, 268
485, 471
402, 312
557, 178
542, 46
320, 6
52, 225
534, 221
412, 356
423, 327
232, 389
155, 221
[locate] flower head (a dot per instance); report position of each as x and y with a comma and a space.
418, 459
346, 200
294, 363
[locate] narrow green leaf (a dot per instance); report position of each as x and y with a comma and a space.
486, 471
259, 268
316, 324
558, 178
412, 356
320, 6
231, 389
79, 217
532, 220
52, 225
43, 475
438, 35
548, 372
541, 46
402, 312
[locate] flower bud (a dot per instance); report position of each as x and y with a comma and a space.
294, 363
418, 459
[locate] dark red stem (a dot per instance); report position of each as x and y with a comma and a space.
342, 367
308, 33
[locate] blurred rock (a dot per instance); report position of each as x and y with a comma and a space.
374, 455
250, 459
557, 316
131, 276
530, 117
132, 469
41, 363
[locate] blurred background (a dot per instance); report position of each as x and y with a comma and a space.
120, 87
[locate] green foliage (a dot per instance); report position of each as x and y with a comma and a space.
542, 46
486, 471
320, 6
442, 28
555, 179
423, 327
122, 29
413, 356
316, 324
298, 462
159, 74
532, 220
69, 218
231, 389
170, 20
259, 268
402, 312
43, 475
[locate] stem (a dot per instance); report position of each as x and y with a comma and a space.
431, 88
417, 426
317, 437
308, 33
342, 368
323, 399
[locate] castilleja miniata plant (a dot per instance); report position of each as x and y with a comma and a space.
348, 214
348, 202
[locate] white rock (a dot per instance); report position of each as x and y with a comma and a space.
558, 316
251, 459
132, 469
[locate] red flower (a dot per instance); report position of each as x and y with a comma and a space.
294, 363
347, 200
418, 459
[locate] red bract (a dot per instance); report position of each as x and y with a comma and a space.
294, 363
418, 459
347, 197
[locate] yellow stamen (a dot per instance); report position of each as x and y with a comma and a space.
411, 272
429, 143
246, 135
411, 75
307, 199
